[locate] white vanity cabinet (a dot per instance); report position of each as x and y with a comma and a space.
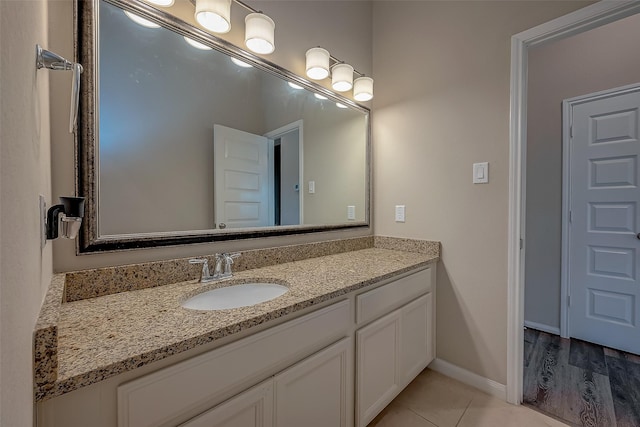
253, 408
317, 392
313, 393
394, 349
335, 366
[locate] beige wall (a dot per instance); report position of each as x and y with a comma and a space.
442, 103
299, 25
25, 270
600, 59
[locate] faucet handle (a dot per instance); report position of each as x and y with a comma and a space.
205, 266
231, 257
228, 260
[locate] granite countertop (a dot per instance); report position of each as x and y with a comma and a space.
98, 338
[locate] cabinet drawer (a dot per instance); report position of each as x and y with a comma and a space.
160, 397
382, 300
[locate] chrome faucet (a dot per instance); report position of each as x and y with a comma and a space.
205, 275
219, 272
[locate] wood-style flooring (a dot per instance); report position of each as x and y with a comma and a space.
581, 383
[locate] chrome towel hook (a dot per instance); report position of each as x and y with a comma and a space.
53, 61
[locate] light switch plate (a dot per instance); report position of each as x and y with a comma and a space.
351, 213
400, 213
312, 187
481, 173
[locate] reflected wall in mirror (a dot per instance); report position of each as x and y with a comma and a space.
186, 145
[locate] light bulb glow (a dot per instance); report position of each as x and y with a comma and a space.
259, 33
214, 15
342, 77
339, 105
164, 3
322, 97
240, 63
196, 44
140, 20
295, 86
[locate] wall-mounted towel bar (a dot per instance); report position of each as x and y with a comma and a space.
53, 61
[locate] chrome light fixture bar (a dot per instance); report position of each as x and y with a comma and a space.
320, 64
215, 16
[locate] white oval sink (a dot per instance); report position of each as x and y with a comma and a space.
235, 296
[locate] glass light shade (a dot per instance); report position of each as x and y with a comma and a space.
241, 63
322, 97
342, 77
165, 3
317, 63
196, 44
363, 89
295, 86
339, 105
140, 20
214, 15
259, 33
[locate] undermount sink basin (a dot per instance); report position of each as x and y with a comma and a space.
235, 296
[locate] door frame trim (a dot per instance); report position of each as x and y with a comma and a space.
587, 18
567, 122
274, 134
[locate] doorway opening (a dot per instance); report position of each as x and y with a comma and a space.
288, 164
578, 22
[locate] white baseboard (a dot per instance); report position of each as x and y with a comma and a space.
474, 380
542, 327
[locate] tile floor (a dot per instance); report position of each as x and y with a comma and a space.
434, 400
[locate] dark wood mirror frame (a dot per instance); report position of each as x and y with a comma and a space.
85, 44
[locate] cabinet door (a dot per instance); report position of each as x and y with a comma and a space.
416, 340
317, 392
252, 408
378, 378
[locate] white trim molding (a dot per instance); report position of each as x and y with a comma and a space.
542, 327
590, 17
487, 385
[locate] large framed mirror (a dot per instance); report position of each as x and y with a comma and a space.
184, 138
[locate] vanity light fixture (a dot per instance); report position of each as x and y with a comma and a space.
295, 86
140, 20
240, 63
259, 33
215, 15
340, 105
342, 77
318, 64
363, 89
321, 97
196, 44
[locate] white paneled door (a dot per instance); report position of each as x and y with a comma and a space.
242, 174
604, 220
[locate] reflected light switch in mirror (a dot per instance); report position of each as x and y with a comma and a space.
351, 213
481, 173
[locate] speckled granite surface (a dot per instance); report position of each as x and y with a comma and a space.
110, 280
98, 338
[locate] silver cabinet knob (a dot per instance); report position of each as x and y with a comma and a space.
222, 225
